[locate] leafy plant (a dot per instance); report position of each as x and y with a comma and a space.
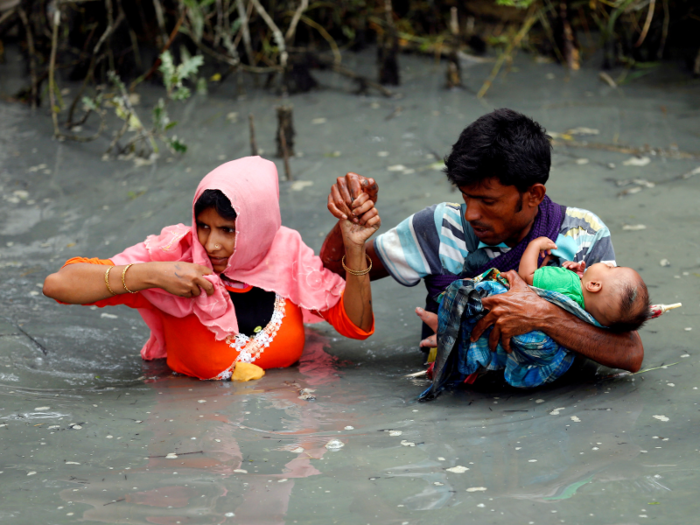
144, 139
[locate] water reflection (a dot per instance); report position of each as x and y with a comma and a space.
223, 454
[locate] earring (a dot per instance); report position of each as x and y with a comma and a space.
217, 246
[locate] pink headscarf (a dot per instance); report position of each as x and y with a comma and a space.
267, 255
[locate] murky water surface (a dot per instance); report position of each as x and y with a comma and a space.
91, 433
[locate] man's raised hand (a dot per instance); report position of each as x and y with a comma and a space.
345, 192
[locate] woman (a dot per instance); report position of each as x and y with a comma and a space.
236, 286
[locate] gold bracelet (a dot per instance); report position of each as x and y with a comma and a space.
109, 288
357, 272
124, 277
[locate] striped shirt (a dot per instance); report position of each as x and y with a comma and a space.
431, 242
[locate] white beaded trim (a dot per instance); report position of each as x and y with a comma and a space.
250, 349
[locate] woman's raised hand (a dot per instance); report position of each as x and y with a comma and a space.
368, 221
182, 278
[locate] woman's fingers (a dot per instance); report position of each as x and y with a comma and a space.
336, 201
205, 285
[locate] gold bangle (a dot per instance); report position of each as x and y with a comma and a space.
124, 277
109, 288
357, 272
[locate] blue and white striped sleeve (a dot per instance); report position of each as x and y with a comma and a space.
410, 251
590, 236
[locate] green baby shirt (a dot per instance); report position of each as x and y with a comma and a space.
559, 280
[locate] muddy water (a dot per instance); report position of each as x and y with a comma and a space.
91, 433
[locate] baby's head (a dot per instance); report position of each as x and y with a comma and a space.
616, 296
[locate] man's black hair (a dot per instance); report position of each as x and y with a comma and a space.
634, 307
503, 144
217, 200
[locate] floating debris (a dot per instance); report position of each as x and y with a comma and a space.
637, 161
670, 384
582, 162
634, 227
407, 443
476, 489
583, 131
459, 469
230, 514
171, 455
397, 167
532, 461
297, 450
71, 463
299, 185
688, 329
42, 409
556, 411
76, 427
282, 480
539, 401
664, 262
31, 473
201, 401
307, 394
438, 484
232, 117
334, 444
382, 154
575, 419
661, 418
319, 120
607, 79
349, 427
395, 433
105, 315
240, 471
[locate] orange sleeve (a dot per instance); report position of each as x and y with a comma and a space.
338, 318
132, 300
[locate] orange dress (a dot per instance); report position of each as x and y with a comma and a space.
192, 349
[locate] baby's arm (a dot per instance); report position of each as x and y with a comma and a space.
528, 262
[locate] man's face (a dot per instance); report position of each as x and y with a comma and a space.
499, 213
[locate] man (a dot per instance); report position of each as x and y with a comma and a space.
500, 163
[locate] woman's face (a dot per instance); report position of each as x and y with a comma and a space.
218, 236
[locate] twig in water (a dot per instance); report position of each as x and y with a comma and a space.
647, 23
285, 151
52, 71
532, 17
253, 144
245, 31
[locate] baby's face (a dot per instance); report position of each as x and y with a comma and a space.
606, 305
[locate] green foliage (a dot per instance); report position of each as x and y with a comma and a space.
174, 76
520, 4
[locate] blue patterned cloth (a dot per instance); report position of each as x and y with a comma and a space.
536, 358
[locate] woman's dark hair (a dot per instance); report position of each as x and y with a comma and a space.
503, 144
217, 200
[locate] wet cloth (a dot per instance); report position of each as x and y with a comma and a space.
193, 350
536, 358
560, 280
267, 255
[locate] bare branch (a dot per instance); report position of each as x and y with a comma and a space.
295, 20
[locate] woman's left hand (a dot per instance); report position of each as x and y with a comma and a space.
368, 223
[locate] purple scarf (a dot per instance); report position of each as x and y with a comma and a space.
547, 224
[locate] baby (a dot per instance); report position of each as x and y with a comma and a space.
615, 296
